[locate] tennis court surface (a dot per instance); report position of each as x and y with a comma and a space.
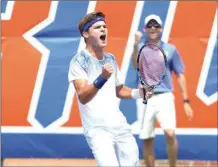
91, 162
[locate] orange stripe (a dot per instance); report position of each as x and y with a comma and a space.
119, 15
20, 62
74, 118
192, 24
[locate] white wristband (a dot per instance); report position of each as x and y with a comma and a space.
135, 94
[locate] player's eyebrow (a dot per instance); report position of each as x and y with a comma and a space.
99, 26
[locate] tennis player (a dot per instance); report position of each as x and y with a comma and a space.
96, 78
161, 106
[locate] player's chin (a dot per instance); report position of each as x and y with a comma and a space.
102, 44
153, 36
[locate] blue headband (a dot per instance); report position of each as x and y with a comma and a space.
93, 21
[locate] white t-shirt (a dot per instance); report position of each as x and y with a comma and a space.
103, 109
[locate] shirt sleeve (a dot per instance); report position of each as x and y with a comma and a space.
77, 70
119, 78
140, 45
177, 63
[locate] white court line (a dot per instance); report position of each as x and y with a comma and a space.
79, 130
8, 11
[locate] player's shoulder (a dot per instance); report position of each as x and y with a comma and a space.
109, 56
141, 43
81, 57
169, 46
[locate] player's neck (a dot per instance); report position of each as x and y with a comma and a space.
95, 52
155, 41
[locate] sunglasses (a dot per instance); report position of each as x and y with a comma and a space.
153, 25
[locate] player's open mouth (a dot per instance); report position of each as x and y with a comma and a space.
103, 37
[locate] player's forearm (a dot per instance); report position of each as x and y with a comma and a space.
135, 55
87, 93
123, 92
182, 84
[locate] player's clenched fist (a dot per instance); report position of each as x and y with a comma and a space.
138, 36
107, 70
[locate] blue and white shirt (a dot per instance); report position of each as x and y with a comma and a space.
103, 109
174, 64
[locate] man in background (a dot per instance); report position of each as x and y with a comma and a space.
161, 106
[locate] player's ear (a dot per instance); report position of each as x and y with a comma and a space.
161, 30
144, 29
85, 34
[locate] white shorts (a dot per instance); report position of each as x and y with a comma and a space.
113, 148
161, 108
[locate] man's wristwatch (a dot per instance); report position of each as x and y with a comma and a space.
186, 101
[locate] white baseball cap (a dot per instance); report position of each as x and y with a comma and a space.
153, 17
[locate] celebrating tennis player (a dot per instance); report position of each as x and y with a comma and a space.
95, 76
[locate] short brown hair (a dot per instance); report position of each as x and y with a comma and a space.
88, 18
